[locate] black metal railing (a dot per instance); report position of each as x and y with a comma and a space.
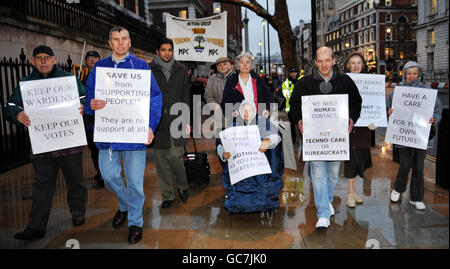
15, 143
94, 18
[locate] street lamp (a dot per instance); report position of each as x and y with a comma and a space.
260, 54
264, 38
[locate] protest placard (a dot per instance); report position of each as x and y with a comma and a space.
373, 94
198, 40
325, 127
246, 160
409, 124
52, 106
125, 117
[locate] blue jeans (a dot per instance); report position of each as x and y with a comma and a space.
131, 198
324, 176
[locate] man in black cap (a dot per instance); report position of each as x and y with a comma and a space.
46, 165
91, 58
286, 88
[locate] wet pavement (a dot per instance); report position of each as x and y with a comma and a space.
203, 223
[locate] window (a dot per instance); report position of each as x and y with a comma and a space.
366, 22
371, 19
182, 14
337, 34
388, 17
334, 35
351, 12
360, 24
370, 3
388, 2
360, 39
216, 8
359, 8
346, 15
388, 34
366, 38
164, 16
342, 17
413, 3
431, 37
371, 36
430, 61
136, 7
433, 7
352, 27
352, 42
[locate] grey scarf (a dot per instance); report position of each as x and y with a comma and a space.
166, 67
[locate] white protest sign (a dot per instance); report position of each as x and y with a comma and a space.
125, 117
409, 124
325, 127
246, 160
52, 106
373, 94
198, 40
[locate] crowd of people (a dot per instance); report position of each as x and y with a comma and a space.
249, 95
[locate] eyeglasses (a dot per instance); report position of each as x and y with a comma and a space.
40, 58
91, 58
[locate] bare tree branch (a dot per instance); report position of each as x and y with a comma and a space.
253, 6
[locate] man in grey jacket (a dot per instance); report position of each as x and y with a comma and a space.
215, 86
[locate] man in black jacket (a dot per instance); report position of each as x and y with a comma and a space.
46, 165
325, 80
175, 88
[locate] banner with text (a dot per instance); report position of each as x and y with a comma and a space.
125, 117
52, 106
325, 127
246, 160
198, 40
409, 124
373, 94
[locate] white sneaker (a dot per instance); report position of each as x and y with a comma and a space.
418, 205
395, 196
322, 224
331, 210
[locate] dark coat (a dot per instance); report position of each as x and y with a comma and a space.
175, 90
309, 85
233, 93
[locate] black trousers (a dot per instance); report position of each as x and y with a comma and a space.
46, 171
411, 158
89, 128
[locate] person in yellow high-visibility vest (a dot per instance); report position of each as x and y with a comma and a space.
286, 88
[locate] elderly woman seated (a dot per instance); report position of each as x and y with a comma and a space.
258, 193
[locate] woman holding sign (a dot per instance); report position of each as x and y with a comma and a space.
412, 158
360, 158
258, 193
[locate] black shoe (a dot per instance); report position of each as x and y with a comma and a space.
78, 220
29, 234
134, 234
119, 218
100, 183
166, 204
98, 176
184, 195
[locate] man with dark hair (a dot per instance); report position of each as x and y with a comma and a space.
325, 80
175, 88
131, 197
46, 165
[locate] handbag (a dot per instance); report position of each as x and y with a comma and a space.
197, 166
